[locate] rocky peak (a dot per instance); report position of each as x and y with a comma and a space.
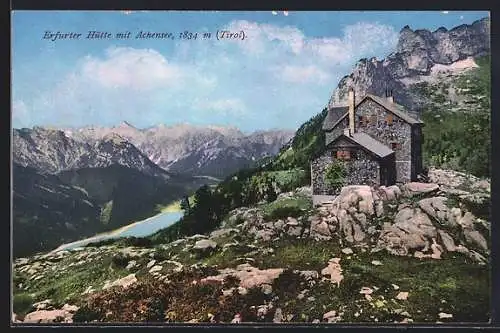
417, 52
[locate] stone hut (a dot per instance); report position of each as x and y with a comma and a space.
374, 142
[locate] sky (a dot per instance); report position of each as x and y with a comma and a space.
279, 75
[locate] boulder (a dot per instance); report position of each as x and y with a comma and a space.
435, 207
447, 241
294, 231
124, 282
403, 295
331, 317
278, 316
264, 234
151, 264
131, 264
389, 193
249, 276
278, 225
49, 316
319, 229
291, 221
333, 271
155, 268
476, 239
222, 232
415, 188
411, 231
70, 308
43, 305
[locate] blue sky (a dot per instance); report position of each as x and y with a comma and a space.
282, 74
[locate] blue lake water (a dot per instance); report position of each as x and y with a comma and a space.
139, 229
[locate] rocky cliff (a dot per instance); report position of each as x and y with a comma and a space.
419, 55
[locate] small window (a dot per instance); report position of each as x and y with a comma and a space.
389, 119
395, 145
361, 120
343, 155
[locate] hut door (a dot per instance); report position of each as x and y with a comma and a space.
383, 175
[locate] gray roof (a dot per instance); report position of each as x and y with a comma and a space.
334, 115
369, 143
395, 108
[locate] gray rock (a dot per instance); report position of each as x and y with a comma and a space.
475, 238
291, 221
331, 316
447, 241
204, 244
43, 305
294, 231
266, 288
151, 263
124, 282
412, 230
278, 225
319, 230
415, 188
347, 250
278, 316
49, 316
222, 232
264, 235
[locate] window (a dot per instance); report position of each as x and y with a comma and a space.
395, 145
389, 119
343, 155
361, 120
373, 119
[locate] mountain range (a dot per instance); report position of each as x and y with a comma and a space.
195, 150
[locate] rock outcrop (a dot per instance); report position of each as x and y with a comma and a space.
417, 52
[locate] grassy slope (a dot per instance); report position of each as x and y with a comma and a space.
457, 135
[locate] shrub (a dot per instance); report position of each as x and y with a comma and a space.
138, 242
284, 212
120, 261
22, 303
335, 174
85, 314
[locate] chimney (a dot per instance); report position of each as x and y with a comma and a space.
390, 97
351, 111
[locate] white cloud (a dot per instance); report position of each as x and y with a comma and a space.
259, 36
358, 39
141, 69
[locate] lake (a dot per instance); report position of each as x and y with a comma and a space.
138, 229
